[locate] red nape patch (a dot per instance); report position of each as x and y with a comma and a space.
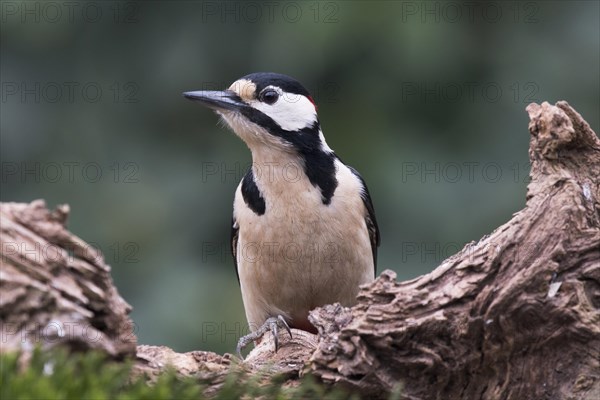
313, 102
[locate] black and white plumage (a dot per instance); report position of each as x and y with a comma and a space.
304, 232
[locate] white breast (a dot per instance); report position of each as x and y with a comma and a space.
301, 253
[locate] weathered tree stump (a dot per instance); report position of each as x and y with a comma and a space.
515, 315
55, 288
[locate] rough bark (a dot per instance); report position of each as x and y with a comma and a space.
288, 363
515, 315
55, 288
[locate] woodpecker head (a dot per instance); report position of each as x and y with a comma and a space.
268, 109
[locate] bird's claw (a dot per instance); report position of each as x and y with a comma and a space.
271, 324
274, 329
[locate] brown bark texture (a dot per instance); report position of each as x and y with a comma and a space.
515, 315
55, 288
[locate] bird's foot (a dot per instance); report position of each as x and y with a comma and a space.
271, 324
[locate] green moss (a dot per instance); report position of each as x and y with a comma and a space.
60, 375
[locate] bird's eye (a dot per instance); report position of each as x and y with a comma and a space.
269, 96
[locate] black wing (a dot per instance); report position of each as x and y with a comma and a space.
235, 232
370, 219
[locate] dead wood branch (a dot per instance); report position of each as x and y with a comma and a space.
55, 288
513, 316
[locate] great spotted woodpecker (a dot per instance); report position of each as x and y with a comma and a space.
304, 232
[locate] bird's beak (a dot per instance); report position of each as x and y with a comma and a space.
217, 100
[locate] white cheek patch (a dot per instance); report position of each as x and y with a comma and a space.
291, 112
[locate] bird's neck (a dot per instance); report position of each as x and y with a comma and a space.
276, 171
275, 167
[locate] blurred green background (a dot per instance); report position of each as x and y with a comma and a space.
426, 99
